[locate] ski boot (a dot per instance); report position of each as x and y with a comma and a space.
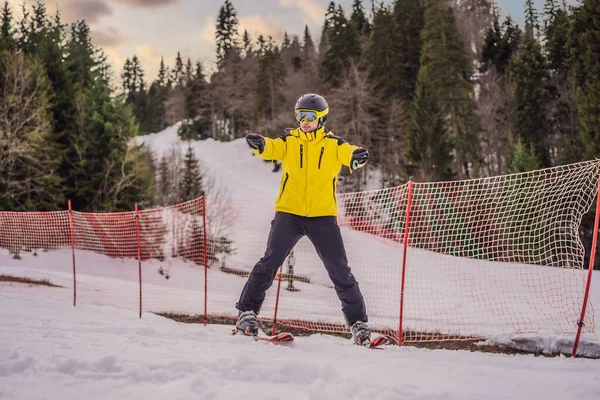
247, 323
361, 333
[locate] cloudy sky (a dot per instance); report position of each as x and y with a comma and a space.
154, 28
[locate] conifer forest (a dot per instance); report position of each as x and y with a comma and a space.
435, 89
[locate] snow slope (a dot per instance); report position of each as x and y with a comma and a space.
101, 349
51, 350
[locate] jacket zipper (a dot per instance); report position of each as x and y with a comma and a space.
284, 183
301, 152
334, 197
321, 156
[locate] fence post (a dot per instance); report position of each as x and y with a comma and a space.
73, 253
139, 251
273, 328
580, 323
408, 207
205, 259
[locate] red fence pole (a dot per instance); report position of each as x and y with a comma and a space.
589, 280
73, 253
277, 301
205, 259
408, 205
139, 251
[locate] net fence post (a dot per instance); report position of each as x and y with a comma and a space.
580, 323
205, 258
73, 253
405, 248
139, 251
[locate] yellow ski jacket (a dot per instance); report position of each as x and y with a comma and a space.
310, 165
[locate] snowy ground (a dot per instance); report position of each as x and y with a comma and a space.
102, 350
51, 350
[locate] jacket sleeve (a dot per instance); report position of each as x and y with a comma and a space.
275, 149
345, 153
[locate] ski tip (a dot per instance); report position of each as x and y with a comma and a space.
379, 341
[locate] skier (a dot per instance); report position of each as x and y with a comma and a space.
311, 158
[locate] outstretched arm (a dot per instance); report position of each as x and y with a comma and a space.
352, 157
267, 148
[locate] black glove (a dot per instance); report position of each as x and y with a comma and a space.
256, 142
359, 157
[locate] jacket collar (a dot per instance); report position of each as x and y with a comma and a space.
314, 137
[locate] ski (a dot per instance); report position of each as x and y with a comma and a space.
283, 337
377, 343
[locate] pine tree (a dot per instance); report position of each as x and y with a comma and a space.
271, 78
531, 18
429, 147
308, 47
127, 77
328, 24
344, 46
359, 20
409, 17
226, 30
247, 44
178, 75
191, 182
530, 76
522, 158
584, 41
556, 34
162, 73
198, 103
381, 54
7, 40
499, 45
446, 70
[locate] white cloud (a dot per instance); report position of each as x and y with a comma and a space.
257, 25
148, 52
207, 33
309, 7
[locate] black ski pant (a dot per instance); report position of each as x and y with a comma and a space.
324, 233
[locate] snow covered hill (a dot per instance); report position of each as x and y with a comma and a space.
102, 350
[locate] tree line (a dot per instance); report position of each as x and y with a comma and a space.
435, 89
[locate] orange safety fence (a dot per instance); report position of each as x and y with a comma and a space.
482, 257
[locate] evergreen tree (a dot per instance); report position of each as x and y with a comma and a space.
227, 30
429, 147
359, 20
308, 48
446, 70
410, 21
198, 104
382, 56
247, 44
328, 24
127, 76
344, 46
500, 44
584, 40
530, 76
178, 75
556, 34
191, 182
162, 73
271, 78
531, 18
522, 158
7, 40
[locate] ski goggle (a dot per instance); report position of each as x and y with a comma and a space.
310, 115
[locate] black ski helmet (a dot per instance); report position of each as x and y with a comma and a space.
314, 102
